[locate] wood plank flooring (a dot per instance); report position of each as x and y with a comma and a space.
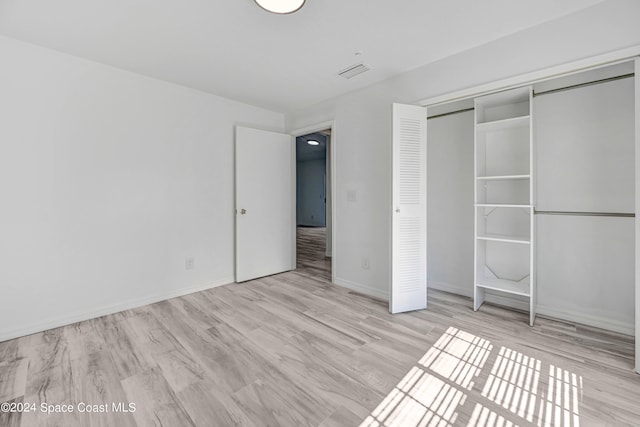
295, 350
311, 250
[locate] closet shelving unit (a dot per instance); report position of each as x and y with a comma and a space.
504, 205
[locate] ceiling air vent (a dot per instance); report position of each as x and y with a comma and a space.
353, 71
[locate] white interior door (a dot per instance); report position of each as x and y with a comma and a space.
265, 227
409, 223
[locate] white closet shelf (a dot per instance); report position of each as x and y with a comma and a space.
502, 177
505, 238
504, 221
509, 286
514, 122
499, 205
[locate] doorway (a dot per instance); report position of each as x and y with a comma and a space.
313, 204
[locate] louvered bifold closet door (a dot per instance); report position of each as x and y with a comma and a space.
409, 223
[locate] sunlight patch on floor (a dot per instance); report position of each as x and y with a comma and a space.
457, 356
564, 393
435, 392
485, 417
420, 399
513, 383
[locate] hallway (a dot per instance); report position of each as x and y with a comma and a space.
310, 249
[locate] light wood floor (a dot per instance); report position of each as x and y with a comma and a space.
295, 350
311, 250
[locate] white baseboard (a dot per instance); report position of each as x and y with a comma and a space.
572, 316
492, 298
543, 311
452, 289
82, 315
361, 288
587, 319
506, 301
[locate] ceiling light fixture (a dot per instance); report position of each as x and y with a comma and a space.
280, 6
313, 142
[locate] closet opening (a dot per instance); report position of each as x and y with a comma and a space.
579, 240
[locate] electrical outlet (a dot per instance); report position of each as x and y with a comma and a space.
365, 263
189, 263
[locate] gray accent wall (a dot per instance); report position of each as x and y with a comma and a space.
311, 169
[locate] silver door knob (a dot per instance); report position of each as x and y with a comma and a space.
397, 209
243, 211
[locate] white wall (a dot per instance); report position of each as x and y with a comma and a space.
450, 203
109, 180
585, 147
363, 119
585, 163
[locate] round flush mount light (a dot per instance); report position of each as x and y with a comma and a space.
280, 6
313, 142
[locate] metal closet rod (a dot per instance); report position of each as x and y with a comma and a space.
546, 92
613, 214
452, 112
595, 82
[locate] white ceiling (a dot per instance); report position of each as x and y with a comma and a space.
234, 49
